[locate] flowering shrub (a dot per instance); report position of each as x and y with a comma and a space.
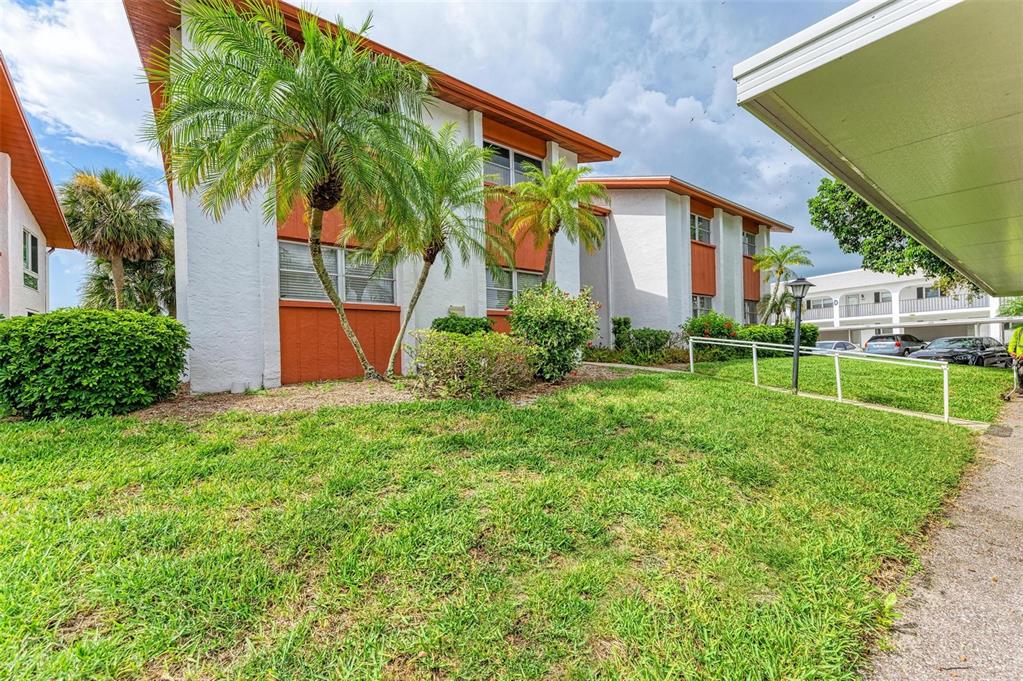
558, 324
712, 325
479, 365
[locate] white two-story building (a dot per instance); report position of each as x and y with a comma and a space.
858, 304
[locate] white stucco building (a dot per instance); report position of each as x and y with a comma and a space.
674, 250
858, 304
31, 223
246, 291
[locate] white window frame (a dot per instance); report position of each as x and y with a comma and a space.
749, 243
514, 290
819, 303
30, 257
340, 283
927, 292
698, 229
699, 309
514, 175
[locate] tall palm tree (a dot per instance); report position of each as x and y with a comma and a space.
778, 263
111, 216
321, 119
546, 204
148, 284
447, 219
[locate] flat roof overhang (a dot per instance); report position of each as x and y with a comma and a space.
918, 106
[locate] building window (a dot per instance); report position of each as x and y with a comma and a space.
927, 292
749, 312
363, 282
749, 244
702, 305
699, 228
819, 303
507, 166
30, 259
503, 285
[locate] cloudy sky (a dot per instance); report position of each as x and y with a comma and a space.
651, 79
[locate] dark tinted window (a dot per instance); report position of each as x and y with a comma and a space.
881, 339
911, 339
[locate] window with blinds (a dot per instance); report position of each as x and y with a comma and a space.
504, 285
363, 282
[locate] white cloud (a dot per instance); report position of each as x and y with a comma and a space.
77, 69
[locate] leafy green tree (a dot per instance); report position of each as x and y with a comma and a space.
546, 204
1011, 307
860, 228
447, 220
322, 120
777, 264
148, 284
111, 217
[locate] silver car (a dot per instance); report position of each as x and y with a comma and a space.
898, 344
841, 346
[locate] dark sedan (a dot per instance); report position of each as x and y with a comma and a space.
972, 350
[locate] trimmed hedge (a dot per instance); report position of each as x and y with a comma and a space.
762, 333
558, 324
463, 325
77, 362
808, 334
471, 366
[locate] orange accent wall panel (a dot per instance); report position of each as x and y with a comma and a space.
499, 322
507, 136
750, 225
704, 269
314, 348
701, 208
750, 280
528, 256
294, 227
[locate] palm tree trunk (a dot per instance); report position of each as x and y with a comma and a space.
423, 274
315, 220
549, 258
117, 276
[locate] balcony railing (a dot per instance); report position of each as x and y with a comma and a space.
943, 303
812, 313
866, 309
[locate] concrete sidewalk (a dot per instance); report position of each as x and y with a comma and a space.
964, 617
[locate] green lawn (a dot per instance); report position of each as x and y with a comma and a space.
653, 527
974, 392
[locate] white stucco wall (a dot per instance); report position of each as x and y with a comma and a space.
637, 241
15, 216
729, 265
678, 260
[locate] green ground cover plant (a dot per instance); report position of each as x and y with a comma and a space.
650, 527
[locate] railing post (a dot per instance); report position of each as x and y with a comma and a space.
692, 365
838, 378
944, 380
756, 375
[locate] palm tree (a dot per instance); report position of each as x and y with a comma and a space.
778, 263
447, 220
111, 216
148, 284
322, 120
544, 205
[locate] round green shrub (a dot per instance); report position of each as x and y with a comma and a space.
712, 325
808, 333
470, 366
558, 324
463, 325
77, 362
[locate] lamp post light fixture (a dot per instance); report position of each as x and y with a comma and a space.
798, 288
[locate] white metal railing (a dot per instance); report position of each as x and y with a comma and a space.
938, 303
866, 309
812, 313
853, 355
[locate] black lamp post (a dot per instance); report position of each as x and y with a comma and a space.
798, 289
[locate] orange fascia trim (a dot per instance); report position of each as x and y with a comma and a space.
27, 167
602, 211
152, 21
677, 186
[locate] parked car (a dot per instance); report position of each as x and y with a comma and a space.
898, 344
972, 350
841, 346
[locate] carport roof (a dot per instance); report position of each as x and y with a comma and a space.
918, 106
